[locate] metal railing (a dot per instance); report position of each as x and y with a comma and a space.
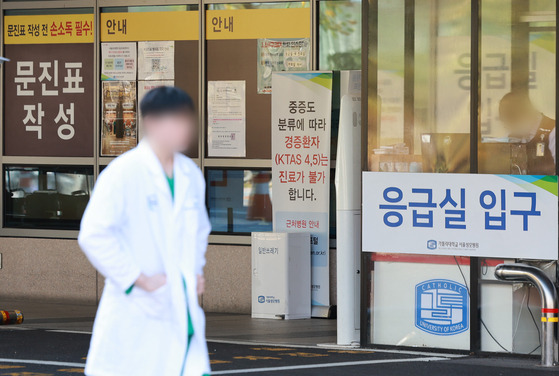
548, 292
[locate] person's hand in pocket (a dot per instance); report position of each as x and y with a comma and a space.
151, 283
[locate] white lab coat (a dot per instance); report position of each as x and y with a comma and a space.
132, 225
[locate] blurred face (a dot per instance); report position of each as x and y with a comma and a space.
172, 131
518, 117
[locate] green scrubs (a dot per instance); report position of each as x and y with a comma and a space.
171, 181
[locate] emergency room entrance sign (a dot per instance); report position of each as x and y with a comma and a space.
504, 216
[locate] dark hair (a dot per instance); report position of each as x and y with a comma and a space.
166, 99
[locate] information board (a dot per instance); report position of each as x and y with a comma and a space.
476, 215
301, 115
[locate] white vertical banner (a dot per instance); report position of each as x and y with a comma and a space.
301, 112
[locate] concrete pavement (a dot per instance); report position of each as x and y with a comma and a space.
55, 337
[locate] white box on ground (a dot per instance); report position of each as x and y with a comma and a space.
281, 275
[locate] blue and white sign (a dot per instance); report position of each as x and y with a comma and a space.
505, 216
441, 307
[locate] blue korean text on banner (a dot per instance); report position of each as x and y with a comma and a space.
473, 215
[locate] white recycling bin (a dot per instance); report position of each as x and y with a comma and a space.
281, 275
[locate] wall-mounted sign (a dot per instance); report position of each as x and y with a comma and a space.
149, 26
258, 23
301, 114
461, 214
119, 132
47, 29
226, 118
156, 60
277, 55
48, 100
118, 61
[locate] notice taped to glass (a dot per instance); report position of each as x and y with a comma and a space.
156, 60
277, 55
119, 127
118, 61
226, 119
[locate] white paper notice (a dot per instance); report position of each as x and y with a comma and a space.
226, 119
156, 60
118, 61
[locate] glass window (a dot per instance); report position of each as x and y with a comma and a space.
419, 121
239, 201
518, 87
50, 197
420, 88
517, 136
419, 109
252, 55
168, 57
339, 46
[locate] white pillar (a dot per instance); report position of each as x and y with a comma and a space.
348, 219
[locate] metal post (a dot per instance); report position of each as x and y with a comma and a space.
548, 292
475, 140
368, 80
409, 74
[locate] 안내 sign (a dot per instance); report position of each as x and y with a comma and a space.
506, 216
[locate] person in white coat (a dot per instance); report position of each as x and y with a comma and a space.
146, 229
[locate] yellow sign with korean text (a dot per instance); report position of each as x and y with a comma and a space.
49, 29
149, 26
258, 23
